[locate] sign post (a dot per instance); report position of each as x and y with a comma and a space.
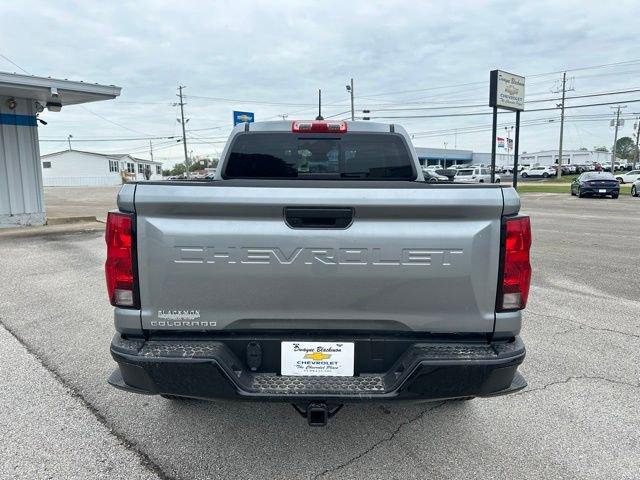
506, 91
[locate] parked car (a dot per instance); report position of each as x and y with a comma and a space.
447, 172
433, 177
595, 184
509, 168
544, 172
282, 289
628, 177
635, 189
474, 175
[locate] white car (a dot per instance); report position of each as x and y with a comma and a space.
544, 172
635, 188
474, 175
629, 177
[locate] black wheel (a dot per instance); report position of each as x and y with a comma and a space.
497, 180
620, 179
433, 180
524, 175
634, 192
573, 193
545, 175
615, 195
580, 194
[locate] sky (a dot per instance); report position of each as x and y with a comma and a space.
271, 58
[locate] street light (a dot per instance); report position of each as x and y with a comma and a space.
350, 90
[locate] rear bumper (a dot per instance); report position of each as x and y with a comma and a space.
210, 370
596, 190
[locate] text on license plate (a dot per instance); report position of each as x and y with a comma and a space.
317, 358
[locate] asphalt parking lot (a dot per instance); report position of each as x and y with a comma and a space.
579, 417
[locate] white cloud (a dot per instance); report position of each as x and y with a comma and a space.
285, 51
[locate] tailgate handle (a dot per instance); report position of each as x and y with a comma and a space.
318, 217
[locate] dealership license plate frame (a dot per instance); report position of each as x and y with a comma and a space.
317, 359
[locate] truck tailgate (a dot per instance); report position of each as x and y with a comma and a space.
213, 257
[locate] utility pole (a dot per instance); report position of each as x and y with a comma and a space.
564, 89
151, 150
615, 137
350, 90
184, 132
636, 157
69, 137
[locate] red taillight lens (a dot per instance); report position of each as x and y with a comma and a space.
319, 126
516, 270
119, 264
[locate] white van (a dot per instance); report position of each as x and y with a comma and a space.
474, 175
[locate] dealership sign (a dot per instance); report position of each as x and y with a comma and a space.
506, 91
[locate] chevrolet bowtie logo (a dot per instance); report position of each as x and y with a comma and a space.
317, 356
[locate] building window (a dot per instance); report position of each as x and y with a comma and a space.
113, 165
159, 169
46, 164
140, 168
131, 167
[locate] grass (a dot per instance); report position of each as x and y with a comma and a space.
549, 187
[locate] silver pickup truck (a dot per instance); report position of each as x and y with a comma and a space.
318, 268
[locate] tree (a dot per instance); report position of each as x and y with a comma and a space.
583, 149
178, 169
601, 149
625, 148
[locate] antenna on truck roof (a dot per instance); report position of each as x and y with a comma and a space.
319, 117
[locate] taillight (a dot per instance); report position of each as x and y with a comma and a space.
119, 265
318, 126
516, 269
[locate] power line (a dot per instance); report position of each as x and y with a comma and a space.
484, 82
477, 105
471, 114
14, 63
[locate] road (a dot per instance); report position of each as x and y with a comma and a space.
578, 418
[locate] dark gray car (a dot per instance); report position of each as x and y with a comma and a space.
595, 184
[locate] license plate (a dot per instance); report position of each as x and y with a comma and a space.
602, 190
329, 359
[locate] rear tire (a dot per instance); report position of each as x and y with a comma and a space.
545, 175
620, 179
497, 180
524, 175
634, 192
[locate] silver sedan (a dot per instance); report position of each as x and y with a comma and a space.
635, 188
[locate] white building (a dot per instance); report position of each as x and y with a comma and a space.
569, 157
75, 168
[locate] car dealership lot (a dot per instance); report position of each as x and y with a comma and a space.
577, 419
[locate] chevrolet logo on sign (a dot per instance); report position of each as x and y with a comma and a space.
317, 356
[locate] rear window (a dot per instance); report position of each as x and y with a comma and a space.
350, 156
597, 176
463, 173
